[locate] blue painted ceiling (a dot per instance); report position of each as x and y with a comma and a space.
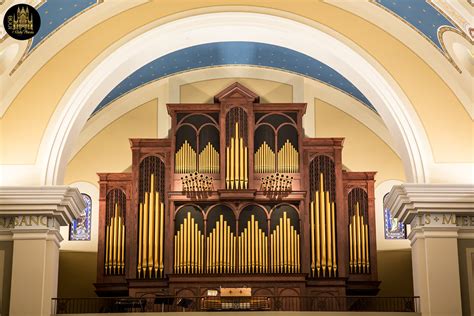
55, 13
419, 14
234, 53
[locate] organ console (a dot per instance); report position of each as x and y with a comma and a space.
237, 197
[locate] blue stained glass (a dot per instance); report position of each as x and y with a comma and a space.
80, 228
392, 227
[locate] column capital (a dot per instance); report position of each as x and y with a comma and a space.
61, 203
409, 201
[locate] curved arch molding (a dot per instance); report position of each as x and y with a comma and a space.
364, 73
234, 53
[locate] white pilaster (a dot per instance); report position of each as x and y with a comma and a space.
31, 217
436, 214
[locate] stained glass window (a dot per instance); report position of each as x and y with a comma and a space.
392, 227
80, 229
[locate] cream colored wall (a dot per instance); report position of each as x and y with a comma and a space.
437, 106
109, 150
363, 150
204, 91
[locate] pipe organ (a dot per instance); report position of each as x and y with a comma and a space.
237, 197
115, 234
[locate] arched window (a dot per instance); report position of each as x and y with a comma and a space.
393, 229
80, 228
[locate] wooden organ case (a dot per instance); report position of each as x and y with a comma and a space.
237, 197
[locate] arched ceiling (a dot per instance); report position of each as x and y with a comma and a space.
430, 19
338, 21
55, 13
234, 53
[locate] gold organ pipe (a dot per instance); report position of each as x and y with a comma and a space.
178, 251
140, 237
367, 247
290, 247
122, 253
257, 248
246, 180
192, 245
241, 162
252, 243
288, 244
333, 233
107, 237
328, 233
358, 230
283, 243
318, 239
210, 249
181, 246
295, 246
111, 252
208, 262
197, 268
151, 222
224, 245
313, 250
237, 157
229, 250
354, 243
218, 247
323, 221
298, 253
362, 228
232, 150
351, 256
175, 266
188, 244
214, 249
280, 246
244, 251
260, 250
195, 245
161, 243
144, 236
221, 244
227, 168
156, 234
114, 244
119, 245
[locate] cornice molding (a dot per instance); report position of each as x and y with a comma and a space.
409, 200
61, 202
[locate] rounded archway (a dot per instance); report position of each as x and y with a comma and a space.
90, 89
